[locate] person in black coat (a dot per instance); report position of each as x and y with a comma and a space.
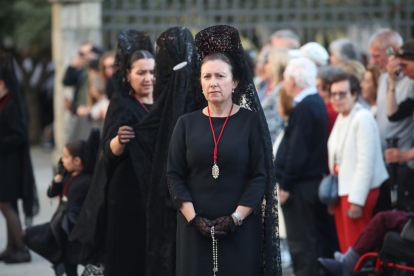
71, 184
16, 174
300, 163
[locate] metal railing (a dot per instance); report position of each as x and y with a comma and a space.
313, 20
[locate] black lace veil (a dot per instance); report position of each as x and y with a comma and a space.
29, 191
149, 150
226, 39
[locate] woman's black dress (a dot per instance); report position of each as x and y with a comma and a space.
242, 181
126, 213
12, 142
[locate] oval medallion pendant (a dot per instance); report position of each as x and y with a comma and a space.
215, 171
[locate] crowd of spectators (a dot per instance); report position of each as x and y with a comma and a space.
329, 114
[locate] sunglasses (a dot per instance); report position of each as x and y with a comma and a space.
341, 94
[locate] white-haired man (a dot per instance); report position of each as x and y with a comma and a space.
300, 163
392, 86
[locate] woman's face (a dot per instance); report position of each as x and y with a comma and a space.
341, 98
217, 81
141, 76
369, 91
108, 64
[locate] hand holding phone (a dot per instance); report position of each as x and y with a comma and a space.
392, 63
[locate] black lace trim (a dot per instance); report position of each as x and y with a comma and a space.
177, 202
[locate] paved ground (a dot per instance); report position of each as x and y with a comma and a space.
39, 266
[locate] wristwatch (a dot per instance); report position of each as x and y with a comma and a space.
239, 220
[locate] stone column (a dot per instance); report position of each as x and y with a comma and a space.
73, 22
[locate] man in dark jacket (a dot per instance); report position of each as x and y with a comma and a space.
300, 163
77, 76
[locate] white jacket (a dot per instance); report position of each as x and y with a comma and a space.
362, 165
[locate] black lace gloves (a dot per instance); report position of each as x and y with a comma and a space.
224, 224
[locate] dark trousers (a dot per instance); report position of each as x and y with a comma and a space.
384, 199
303, 213
71, 269
371, 238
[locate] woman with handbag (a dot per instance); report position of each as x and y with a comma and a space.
355, 157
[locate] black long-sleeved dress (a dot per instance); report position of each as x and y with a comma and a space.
12, 141
241, 181
126, 213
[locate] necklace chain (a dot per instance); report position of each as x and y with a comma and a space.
215, 255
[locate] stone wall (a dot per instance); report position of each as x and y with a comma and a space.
73, 22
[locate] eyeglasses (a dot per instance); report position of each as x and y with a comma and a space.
341, 94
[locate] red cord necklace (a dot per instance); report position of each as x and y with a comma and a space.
146, 109
68, 181
215, 170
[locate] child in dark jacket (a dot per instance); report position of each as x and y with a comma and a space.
71, 184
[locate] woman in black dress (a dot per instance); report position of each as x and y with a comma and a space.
219, 167
16, 174
114, 213
126, 218
149, 150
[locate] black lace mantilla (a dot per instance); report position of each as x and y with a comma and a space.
226, 39
149, 150
129, 41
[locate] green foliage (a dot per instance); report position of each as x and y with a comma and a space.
28, 22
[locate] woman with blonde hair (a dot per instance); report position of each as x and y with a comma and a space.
278, 60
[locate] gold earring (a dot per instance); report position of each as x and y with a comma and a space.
233, 90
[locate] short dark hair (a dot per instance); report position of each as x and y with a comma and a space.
94, 64
77, 149
137, 55
407, 50
353, 82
